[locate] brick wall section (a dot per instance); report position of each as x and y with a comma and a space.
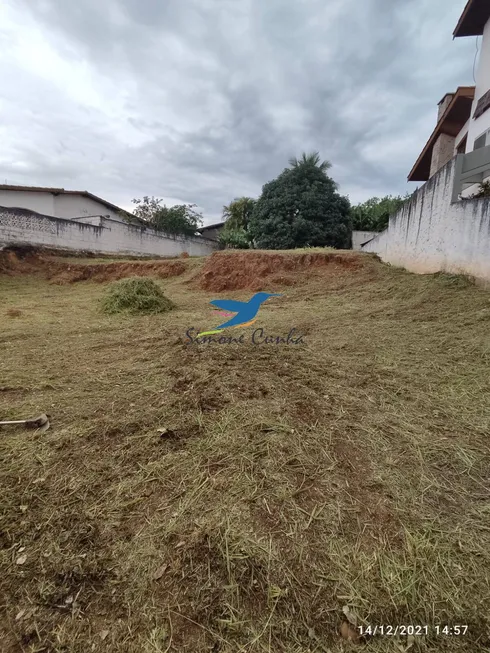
442, 153
24, 227
430, 234
443, 105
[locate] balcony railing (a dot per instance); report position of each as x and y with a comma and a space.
471, 168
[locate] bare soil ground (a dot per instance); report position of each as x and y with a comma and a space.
244, 497
61, 270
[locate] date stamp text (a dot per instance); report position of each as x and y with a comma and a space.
414, 630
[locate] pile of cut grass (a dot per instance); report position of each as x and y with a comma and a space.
135, 295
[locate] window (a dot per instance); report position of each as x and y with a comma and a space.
461, 149
482, 141
483, 105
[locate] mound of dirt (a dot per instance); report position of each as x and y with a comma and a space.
17, 260
113, 271
14, 262
252, 270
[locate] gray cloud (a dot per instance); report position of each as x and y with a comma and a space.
199, 101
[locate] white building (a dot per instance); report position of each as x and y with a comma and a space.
445, 225
60, 203
463, 122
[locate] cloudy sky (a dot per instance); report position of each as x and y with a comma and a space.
201, 101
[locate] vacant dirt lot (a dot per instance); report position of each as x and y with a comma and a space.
244, 497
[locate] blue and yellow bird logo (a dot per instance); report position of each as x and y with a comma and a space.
245, 311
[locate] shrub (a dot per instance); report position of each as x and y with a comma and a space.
135, 295
234, 238
482, 192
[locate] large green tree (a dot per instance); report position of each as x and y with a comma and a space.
301, 208
178, 220
374, 214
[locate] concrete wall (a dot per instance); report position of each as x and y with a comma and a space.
361, 237
23, 227
430, 234
41, 202
481, 124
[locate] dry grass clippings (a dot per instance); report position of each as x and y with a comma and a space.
135, 295
244, 497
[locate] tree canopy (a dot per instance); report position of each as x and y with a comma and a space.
237, 215
313, 159
178, 220
300, 208
374, 214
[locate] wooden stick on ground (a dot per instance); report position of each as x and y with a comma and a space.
40, 422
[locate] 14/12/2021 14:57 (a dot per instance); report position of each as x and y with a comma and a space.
412, 629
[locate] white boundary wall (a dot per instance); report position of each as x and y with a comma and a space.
430, 234
360, 237
102, 235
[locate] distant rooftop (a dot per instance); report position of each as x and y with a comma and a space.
451, 122
217, 225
